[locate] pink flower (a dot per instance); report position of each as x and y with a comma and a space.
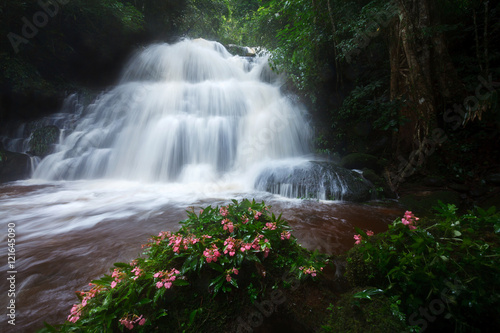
257, 215
357, 238
369, 233
285, 234
142, 321
235, 271
230, 246
270, 226
228, 278
113, 284
211, 254
159, 284
410, 220
223, 211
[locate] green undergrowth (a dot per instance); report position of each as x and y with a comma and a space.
221, 262
440, 273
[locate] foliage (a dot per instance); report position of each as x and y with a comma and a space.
371, 104
366, 310
219, 252
449, 265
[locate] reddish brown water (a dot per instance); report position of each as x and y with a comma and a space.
66, 236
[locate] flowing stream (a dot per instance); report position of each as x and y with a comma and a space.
188, 125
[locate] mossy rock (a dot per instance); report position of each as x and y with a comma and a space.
361, 161
422, 203
42, 140
353, 315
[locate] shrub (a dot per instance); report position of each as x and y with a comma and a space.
441, 269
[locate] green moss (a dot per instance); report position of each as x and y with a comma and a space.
42, 140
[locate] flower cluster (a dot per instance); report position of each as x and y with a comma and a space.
76, 311
228, 225
119, 276
223, 211
410, 220
177, 241
230, 246
285, 235
211, 254
167, 278
270, 226
358, 237
229, 272
86, 296
309, 270
130, 322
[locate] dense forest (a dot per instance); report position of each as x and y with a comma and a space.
414, 82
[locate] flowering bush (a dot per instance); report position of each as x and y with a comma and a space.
447, 263
218, 251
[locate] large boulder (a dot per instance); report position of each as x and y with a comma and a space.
315, 180
14, 166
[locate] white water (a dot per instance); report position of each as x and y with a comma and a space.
188, 112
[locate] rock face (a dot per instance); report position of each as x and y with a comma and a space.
13, 166
318, 180
42, 140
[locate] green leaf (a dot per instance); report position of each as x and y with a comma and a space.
368, 293
143, 301
180, 282
121, 265
216, 267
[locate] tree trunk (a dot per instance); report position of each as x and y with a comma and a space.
422, 77
411, 73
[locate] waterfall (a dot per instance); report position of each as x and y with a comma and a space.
184, 112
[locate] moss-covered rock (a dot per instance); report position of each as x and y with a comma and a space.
352, 315
362, 161
315, 179
42, 140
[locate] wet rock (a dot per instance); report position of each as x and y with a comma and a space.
13, 166
42, 140
242, 51
361, 161
315, 180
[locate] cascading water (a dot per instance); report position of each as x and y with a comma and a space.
188, 112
